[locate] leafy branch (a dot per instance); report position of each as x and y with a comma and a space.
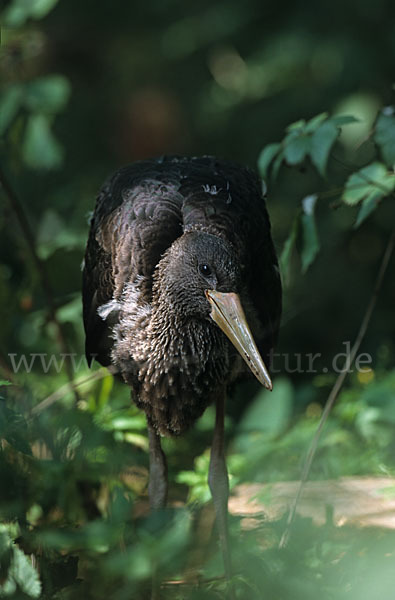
366, 187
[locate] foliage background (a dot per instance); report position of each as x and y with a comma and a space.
86, 87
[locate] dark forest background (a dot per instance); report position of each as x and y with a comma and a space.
86, 87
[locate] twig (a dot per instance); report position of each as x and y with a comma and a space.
28, 234
55, 396
337, 386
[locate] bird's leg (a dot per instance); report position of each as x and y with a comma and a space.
219, 484
157, 491
157, 485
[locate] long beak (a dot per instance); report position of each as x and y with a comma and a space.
227, 312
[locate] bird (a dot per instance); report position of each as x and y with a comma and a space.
182, 298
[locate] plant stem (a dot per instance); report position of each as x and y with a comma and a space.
337, 387
58, 394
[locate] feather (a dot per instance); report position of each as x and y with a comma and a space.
145, 309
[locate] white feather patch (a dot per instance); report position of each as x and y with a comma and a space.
105, 309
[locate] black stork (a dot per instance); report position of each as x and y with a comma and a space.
180, 278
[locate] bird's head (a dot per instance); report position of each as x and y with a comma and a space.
200, 277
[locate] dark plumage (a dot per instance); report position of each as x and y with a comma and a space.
172, 241
154, 223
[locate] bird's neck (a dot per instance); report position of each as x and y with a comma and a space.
156, 338
179, 342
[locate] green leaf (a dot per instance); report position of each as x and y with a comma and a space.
24, 574
384, 135
266, 157
48, 94
277, 164
40, 8
369, 204
344, 120
9, 106
296, 149
107, 383
311, 243
313, 124
297, 126
5, 382
289, 245
17, 13
371, 181
21, 575
41, 150
126, 422
136, 439
322, 141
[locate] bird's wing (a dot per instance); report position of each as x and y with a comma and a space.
125, 244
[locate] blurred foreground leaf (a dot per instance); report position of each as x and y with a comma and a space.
19, 11
10, 103
18, 574
41, 150
47, 94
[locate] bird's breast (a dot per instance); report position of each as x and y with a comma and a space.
174, 369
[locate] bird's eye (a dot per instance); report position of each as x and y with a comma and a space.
205, 270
